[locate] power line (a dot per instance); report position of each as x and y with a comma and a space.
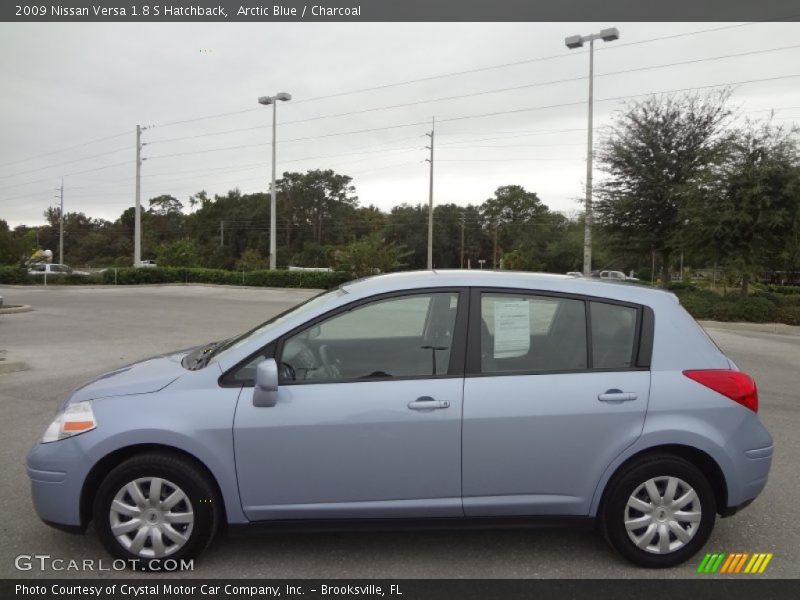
109, 137
537, 84
397, 84
69, 162
482, 115
66, 174
467, 72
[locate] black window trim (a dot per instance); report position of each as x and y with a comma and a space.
642, 344
455, 368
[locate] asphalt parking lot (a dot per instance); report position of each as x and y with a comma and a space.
76, 333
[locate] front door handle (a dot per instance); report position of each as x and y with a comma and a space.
615, 396
428, 403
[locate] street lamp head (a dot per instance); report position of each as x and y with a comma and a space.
283, 96
265, 100
574, 41
610, 34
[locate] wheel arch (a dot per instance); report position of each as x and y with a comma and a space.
110, 461
700, 459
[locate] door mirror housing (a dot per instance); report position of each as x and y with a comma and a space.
265, 391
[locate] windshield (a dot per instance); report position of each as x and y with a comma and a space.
224, 347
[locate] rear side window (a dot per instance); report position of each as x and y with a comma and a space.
525, 333
613, 335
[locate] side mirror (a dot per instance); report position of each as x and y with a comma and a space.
265, 392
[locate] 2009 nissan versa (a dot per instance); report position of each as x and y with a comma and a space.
444, 397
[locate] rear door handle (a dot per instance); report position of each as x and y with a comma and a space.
428, 403
615, 396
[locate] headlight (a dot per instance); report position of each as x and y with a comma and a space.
74, 419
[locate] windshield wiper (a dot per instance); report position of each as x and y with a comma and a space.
205, 353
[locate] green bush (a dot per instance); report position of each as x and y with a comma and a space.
699, 305
14, 275
263, 278
783, 289
754, 309
788, 314
724, 311
675, 286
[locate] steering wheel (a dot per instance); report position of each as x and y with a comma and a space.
298, 357
287, 372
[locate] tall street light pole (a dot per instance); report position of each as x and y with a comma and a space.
577, 41
273, 223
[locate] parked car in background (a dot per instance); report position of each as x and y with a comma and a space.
146, 264
53, 269
447, 398
574, 273
613, 275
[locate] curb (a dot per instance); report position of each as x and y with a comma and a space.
7, 366
779, 328
12, 310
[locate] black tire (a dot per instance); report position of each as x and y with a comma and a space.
185, 474
626, 482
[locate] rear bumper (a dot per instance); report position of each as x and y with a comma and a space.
753, 471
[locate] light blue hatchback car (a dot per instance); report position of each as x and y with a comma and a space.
448, 398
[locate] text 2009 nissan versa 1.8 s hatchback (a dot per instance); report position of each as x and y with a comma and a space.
443, 398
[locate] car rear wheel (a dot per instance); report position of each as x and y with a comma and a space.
659, 511
154, 507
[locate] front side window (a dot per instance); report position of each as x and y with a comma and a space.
408, 336
613, 335
528, 333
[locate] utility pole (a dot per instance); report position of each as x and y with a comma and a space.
61, 226
494, 251
462, 240
221, 234
137, 217
430, 197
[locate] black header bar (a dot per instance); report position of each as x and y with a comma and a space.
361, 11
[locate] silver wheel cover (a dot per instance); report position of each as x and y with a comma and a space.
662, 515
151, 517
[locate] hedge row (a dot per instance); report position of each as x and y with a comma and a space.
131, 276
759, 307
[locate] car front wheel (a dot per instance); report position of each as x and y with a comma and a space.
659, 511
154, 507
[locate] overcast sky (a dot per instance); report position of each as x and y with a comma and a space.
67, 84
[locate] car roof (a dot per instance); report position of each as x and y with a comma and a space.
551, 282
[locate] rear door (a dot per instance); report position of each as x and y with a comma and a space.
554, 390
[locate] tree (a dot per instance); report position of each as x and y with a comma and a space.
165, 205
251, 260
180, 253
309, 200
658, 152
747, 212
510, 217
10, 248
371, 255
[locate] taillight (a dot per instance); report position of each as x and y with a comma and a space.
737, 386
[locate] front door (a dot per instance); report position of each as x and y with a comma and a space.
368, 418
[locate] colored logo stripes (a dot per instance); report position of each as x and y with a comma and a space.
735, 562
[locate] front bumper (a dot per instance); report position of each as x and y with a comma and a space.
57, 472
